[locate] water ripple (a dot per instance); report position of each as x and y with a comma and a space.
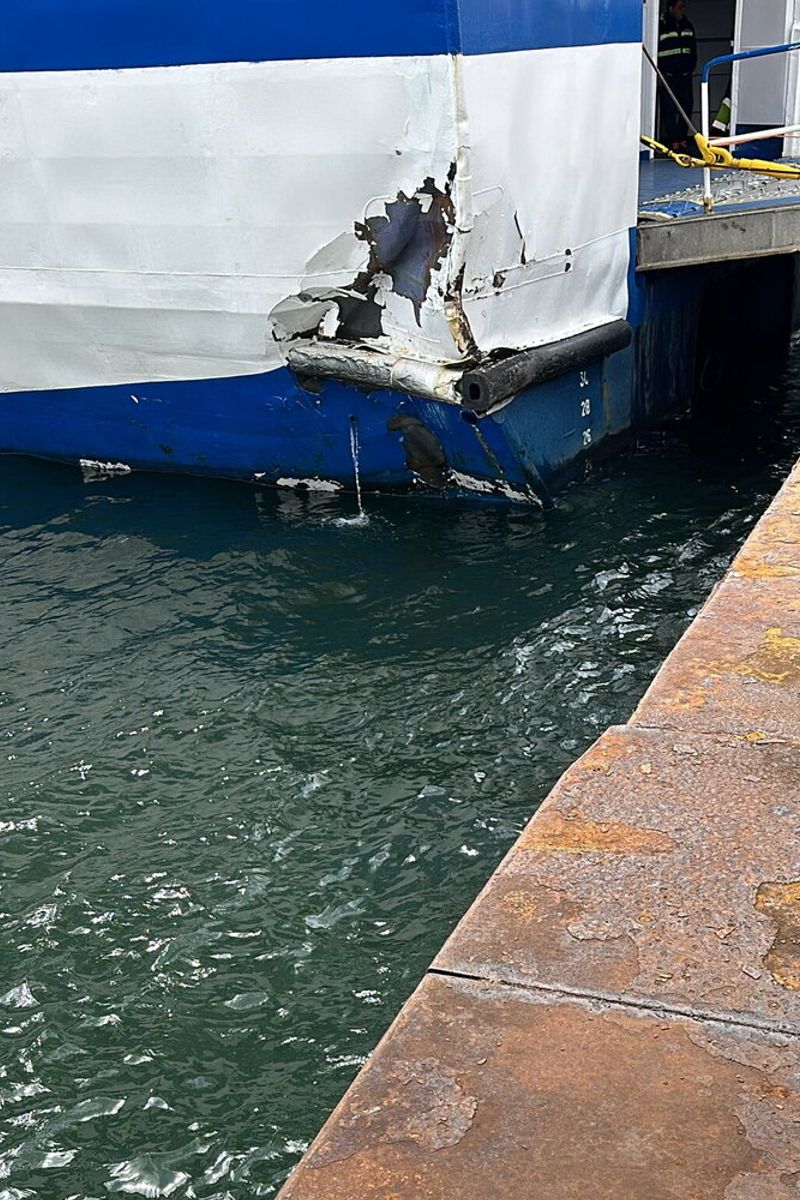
257, 764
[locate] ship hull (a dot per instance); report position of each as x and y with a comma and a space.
273, 429
186, 203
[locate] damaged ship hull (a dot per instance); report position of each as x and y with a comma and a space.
202, 212
268, 430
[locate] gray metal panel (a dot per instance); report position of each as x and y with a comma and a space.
727, 237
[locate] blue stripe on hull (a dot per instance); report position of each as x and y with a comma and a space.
490, 26
265, 427
59, 35
254, 427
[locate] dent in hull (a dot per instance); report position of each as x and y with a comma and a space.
266, 429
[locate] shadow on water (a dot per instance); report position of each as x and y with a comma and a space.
257, 764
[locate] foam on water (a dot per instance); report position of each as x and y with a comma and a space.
360, 520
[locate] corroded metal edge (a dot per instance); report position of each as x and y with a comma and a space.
484, 1091
618, 1014
737, 668
727, 237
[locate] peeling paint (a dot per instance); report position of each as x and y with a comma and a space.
94, 470
490, 487
406, 244
409, 242
310, 485
417, 1100
443, 1114
552, 831
781, 903
456, 318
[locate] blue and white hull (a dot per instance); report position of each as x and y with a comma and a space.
189, 202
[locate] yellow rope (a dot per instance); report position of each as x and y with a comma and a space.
719, 158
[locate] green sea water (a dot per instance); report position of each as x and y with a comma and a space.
255, 764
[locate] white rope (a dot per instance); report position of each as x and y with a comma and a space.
741, 138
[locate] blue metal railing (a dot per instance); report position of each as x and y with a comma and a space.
762, 52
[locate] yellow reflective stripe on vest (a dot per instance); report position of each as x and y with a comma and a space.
675, 43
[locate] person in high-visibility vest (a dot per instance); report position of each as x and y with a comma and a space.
721, 125
677, 59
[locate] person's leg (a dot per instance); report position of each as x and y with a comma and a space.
671, 122
684, 90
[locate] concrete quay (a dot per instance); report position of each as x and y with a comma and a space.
618, 1015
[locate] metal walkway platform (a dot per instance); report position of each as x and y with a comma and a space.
754, 217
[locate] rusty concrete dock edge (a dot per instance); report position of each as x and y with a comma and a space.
618, 1014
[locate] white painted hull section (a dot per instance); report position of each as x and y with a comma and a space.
552, 188
152, 220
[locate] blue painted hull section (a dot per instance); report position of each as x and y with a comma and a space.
266, 428
256, 427
489, 26
54, 35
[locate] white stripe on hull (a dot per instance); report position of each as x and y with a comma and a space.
152, 220
555, 153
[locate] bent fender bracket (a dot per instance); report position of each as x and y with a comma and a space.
479, 388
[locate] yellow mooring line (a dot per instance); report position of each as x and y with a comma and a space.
718, 158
